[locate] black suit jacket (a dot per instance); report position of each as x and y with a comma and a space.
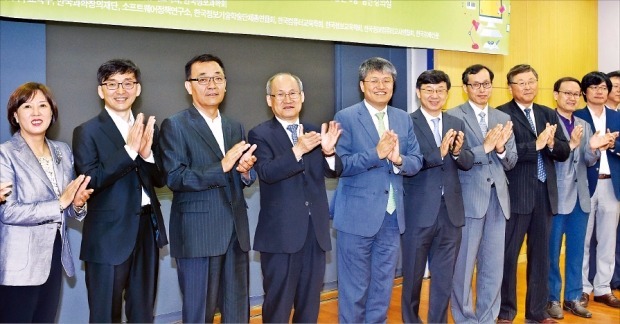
208, 203
423, 190
522, 179
291, 192
111, 227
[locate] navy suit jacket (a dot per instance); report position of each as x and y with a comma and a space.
522, 179
423, 190
613, 155
208, 203
291, 192
363, 188
110, 230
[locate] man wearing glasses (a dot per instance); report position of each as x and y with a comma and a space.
377, 147
532, 186
124, 229
434, 212
292, 234
573, 201
604, 183
208, 163
485, 196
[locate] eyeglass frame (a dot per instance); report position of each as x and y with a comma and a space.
570, 94
209, 79
522, 84
596, 88
280, 96
375, 82
477, 86
431, 92
123, 85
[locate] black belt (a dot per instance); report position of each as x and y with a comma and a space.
146, 210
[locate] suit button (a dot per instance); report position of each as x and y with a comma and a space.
575, 161
387, 192
490, 162
576, 180
489, 180
307, 204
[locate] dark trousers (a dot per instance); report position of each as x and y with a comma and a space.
34, 304
293, 280
537, 227
136, 276
440, 243
208, 283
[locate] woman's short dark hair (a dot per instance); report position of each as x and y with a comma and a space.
23, 94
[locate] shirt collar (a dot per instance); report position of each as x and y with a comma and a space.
117, 119
428, 117
372, 110
477, 109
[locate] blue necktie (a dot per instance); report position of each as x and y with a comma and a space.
541, 175
391, 205
293, 129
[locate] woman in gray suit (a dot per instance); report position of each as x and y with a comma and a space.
34, 246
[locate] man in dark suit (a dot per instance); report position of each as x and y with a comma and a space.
207, 169
487, 203
293, 225
533, 194
604, 185
434, 212
378, 147
124, 229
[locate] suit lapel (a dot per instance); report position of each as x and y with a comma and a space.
109, 129
540, 118
280, 136
25, 155
59, 171
471, 120
198, 123
367, 123
420, 122
520, 117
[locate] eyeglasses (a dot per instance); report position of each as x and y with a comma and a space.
127, 85
575, 95
206, 80
477, 86
429, 91
522, 84
294, 95
375, 82
598, 88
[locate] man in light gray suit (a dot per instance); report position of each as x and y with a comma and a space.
573, 201
486, 200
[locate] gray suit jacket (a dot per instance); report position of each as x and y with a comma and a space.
208, 204
362, 193
30, 216
573, 174
488, 168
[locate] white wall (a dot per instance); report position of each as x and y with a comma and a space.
608, 35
